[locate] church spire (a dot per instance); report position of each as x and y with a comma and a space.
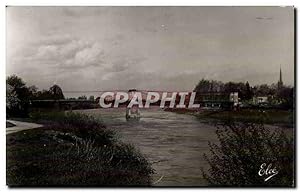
280, 82
280, 78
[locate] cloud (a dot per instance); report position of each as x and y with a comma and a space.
89, 56
55, 39
69, 53
120, 47
47, 52
124, 63
71, 48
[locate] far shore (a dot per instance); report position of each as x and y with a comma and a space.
283, 118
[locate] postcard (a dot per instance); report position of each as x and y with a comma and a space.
150, 96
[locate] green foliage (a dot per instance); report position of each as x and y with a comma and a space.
17, 97
12, 100
15, 82
242, 148
56, 92
74, 150
203, 86
244, 89
284, 96
82, 125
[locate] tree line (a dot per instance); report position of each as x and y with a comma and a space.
283, 94
19, 95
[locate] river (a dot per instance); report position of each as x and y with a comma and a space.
174, 143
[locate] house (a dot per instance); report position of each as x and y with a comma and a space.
260, 100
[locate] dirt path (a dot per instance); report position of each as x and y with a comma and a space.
20, 126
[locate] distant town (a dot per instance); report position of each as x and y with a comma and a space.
210, 95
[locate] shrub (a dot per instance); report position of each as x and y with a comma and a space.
82, 125
75, 150
242, 149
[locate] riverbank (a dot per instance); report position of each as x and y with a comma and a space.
282, 118
173, 143
74, 149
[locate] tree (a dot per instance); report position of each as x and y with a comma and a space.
202, 86
43, 95
12, 100
243, 149
286, 96
264, 90
33, 90
56, 92
244, 89
15, 82
249, 93
20, 93
205, 86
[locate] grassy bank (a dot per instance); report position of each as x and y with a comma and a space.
271, 116
73, 149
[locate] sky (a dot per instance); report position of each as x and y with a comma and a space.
148, 48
